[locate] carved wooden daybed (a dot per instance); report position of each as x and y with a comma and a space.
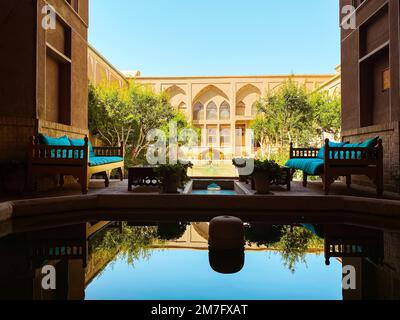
336, 160
78, 159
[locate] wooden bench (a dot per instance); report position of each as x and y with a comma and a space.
344, 162
44, 160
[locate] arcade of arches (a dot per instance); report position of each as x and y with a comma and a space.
223, 107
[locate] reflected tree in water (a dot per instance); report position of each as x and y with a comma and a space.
294, 245
261, 234
171, 230
133, 243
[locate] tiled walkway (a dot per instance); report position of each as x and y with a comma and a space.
118, 187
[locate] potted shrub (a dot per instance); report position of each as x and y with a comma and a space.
241, 165
173, 176
265, 172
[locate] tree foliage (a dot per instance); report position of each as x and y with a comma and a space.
327, 113
126, 115
291, 114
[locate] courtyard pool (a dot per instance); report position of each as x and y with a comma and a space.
171, 260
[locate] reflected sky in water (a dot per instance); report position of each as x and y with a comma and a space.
186, 275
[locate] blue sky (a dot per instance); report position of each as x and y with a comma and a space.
217, 37
187, 275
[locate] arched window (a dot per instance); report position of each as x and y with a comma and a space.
212, 111
241, 109
182, 108
225, 111
198, 111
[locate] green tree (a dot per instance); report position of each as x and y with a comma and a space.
327, 113
110, 116
127, 115
283, 116
151, 111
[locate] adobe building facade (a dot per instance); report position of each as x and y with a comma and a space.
43, 87
370, 80
224, 107
100, 70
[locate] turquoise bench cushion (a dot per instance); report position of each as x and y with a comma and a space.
81, 143
98, 161
312, 167
370, 143
56, 142
321, 153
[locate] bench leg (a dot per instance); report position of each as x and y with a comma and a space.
121, 173
292, 173
348, 181
305, 177
84, 181
107, 178
288, 179
327, 181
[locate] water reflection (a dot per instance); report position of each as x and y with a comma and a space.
226, 261
80, 253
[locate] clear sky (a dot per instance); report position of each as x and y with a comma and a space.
217, 37
187, 275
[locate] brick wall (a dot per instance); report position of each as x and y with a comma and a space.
14, 133
390, 135
54, 129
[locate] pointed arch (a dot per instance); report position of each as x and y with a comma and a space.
225, 111
198, 111
174, 91
182, 107
209, 93
247, 96
212, 111
241, 109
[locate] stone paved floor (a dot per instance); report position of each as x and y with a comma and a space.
118, 187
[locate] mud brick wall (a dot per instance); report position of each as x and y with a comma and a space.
390, 134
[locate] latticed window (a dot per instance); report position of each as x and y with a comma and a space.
212, 111
198, 111
225, 111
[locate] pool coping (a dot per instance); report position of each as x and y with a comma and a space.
165, 205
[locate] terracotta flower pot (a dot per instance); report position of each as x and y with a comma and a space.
262, 183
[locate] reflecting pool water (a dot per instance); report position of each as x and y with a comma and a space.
186, 275
171, 260
215, 192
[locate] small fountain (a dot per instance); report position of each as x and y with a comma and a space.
214, 187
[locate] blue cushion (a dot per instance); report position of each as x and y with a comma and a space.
81, 143
321, 153
312, 167
370, 143
59, 142
56, 142
98, 161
